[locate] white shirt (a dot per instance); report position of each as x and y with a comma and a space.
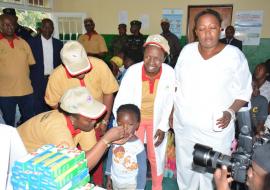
47, 47
124, 168
12, 148
265, 90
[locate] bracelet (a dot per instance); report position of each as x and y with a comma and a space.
106, 142
104, 122
232, 112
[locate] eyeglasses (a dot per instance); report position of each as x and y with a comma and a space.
156, 60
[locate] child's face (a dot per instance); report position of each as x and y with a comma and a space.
129, 121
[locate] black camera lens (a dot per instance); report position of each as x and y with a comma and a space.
206, 157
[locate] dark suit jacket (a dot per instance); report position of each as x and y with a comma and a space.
37, 70
234, 42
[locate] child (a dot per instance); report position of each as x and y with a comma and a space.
126, 163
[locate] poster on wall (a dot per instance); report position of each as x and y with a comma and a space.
123, 17
144, 18
225, 12
175, 17
248, 25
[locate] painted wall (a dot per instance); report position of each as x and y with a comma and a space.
105, 12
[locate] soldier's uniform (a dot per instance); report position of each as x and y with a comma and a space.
119, 43
21, 31
135, 43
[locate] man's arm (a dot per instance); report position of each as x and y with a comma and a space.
108, 102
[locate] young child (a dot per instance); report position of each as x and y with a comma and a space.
126, 163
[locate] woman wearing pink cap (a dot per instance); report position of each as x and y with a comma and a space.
150, 85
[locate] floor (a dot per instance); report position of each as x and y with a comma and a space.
167, 184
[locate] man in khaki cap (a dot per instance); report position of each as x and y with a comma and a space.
70, 125
80, 70
150, 85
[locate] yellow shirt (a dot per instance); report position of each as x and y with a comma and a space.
98, 81
148, 99
15, 58
51, 128
95, 45
149, 90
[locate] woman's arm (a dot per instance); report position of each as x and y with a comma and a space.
93, 156
229, 114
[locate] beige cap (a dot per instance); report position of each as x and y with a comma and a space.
74, 58
165, 20
78, 100
158, 40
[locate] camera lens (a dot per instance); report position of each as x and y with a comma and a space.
206, 157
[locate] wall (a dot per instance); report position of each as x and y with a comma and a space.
105, 14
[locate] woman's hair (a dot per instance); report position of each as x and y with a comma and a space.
130, 108
208, 12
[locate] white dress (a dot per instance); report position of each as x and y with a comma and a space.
205, 87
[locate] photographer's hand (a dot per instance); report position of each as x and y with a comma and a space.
221, 180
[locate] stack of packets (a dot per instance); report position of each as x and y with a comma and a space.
50, 168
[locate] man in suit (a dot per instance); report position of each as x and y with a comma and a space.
229, 33
46, 51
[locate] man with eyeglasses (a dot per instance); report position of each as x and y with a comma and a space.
150, 85
93, 43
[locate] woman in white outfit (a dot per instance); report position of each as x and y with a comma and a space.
213, 82
150, 85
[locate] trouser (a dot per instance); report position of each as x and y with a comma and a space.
8, 107
40, 105
146, 126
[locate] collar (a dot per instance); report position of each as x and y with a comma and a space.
151, 81
44, 39
10, 42
82, 83
229, 41
70, 127
15, 37
91, 34
145, 77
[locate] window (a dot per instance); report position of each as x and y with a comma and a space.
33, 3
68, 26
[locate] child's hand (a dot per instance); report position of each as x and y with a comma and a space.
109, 183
